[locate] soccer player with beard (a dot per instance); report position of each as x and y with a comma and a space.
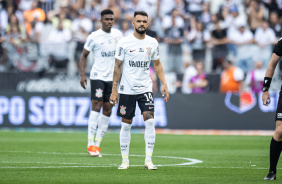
133, 56
276, 142
103, 44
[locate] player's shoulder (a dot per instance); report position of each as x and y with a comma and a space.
125, 39
152, 40
95, 33
116, 31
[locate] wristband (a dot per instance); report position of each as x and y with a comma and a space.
266, 83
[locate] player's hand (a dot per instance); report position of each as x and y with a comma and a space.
165, 93
83, 81
114, 98
265, 98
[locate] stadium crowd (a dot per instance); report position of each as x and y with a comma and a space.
196, 36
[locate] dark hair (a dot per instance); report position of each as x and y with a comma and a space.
106, 11
228, 61
140, 13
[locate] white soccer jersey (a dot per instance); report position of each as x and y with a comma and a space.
103, 45
136, 56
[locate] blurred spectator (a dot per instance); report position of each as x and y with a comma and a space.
232, 19
61, 17
174, 39
13, 9
32, 16
116, 9
14, 36
93, 12
3, 53
3, 18
81, 27
25, 5
152, 32
265, 38
205, 16
198, 38
181, 6
46, 5
190, 71
243, 38
255, 77
231, 78
58, 40
255, 13
167, 20
219, 42
228, 4
279, 11
195, 7
199, 82
77, 5
125, 29
34, 12
36, 30
275, 24
150, 6
166, 6
272, 5
13, 20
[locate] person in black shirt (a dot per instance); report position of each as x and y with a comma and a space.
174, 39
276, 142
219, 50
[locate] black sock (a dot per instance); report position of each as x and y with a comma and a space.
275, 150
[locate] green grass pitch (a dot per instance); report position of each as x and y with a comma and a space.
27, 157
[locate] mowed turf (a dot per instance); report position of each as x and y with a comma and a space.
27, 157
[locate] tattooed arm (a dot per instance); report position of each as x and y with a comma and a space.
116, 77
160, 73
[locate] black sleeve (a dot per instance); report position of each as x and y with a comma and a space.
181, 32
277, 49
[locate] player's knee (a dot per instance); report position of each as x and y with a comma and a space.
107, 112
96, 105
125, 126
148, 115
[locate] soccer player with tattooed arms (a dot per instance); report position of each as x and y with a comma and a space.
276, 142
103, 45
133, 56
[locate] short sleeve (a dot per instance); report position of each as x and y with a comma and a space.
89, 44
238, 74
119, 51
156, 53
277, 49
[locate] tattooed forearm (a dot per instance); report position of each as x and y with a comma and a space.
116, 75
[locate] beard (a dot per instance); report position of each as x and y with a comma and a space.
141, 32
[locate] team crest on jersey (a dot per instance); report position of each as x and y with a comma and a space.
99, 93
122, 110
149, 51
122, 87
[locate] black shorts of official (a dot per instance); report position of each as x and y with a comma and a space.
101, 90
278, 114
127, 104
